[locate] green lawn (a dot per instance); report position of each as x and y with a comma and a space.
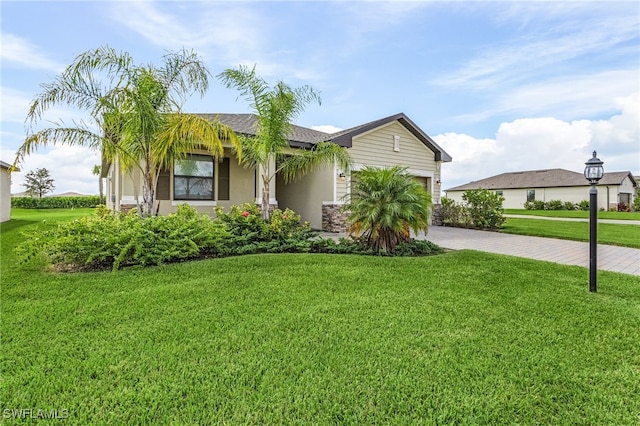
612, 234
460, 338
575, 214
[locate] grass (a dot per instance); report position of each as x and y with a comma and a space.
461, 338
575, 214
612, 234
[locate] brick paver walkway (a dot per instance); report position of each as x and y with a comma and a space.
610, 258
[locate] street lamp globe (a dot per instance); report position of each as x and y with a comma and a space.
593, 171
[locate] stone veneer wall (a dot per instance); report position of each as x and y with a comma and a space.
333, 219
125, 208
436, 215
272, 207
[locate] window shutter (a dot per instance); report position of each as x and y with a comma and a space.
223, 179
163, 189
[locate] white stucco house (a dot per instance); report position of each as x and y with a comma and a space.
553, 184
317, 197
5, 191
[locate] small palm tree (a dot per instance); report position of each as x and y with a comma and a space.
385, 205
276, 108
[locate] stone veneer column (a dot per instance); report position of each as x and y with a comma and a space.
436, 215
125, 208
333, 219
272, 207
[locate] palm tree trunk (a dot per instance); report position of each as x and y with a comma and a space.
265, 198
148, 190
101, 189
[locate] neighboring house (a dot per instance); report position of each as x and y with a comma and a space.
554, 184
317, 197
5, 191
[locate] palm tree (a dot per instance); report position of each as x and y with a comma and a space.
268, 151
97, 170
384, 205
136, 112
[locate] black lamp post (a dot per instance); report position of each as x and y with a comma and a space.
593, 172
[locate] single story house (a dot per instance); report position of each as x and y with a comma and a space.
553, 184
5, 191
317, 197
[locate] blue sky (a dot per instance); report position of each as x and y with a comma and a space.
501, 86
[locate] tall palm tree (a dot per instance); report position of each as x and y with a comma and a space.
385, 205
135, 112
276, 108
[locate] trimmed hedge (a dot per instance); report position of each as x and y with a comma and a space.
55, 202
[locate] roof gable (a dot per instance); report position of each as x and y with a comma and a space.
345, 137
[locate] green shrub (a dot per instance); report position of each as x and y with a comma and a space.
454, 214
553, 205
568, 205
535, 205
412, 247
113, 240
485, 208
55, 202
583, 205
245, 222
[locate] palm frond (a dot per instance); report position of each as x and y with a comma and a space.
385, 204
184, 133
184, 73
324, 153
72, 136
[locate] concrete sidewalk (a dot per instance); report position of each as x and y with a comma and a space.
573, 219
610, 258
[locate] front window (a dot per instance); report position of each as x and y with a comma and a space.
531, 194
193, 178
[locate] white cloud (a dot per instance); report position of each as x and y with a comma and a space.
571, 97
545, 143
229, 34
327, 128
534, 52
70, 167
20, 51
233, 33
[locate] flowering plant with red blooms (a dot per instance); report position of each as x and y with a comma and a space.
245, 213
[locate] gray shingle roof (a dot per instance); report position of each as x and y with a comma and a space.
247, 124
304, 137
541, 179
